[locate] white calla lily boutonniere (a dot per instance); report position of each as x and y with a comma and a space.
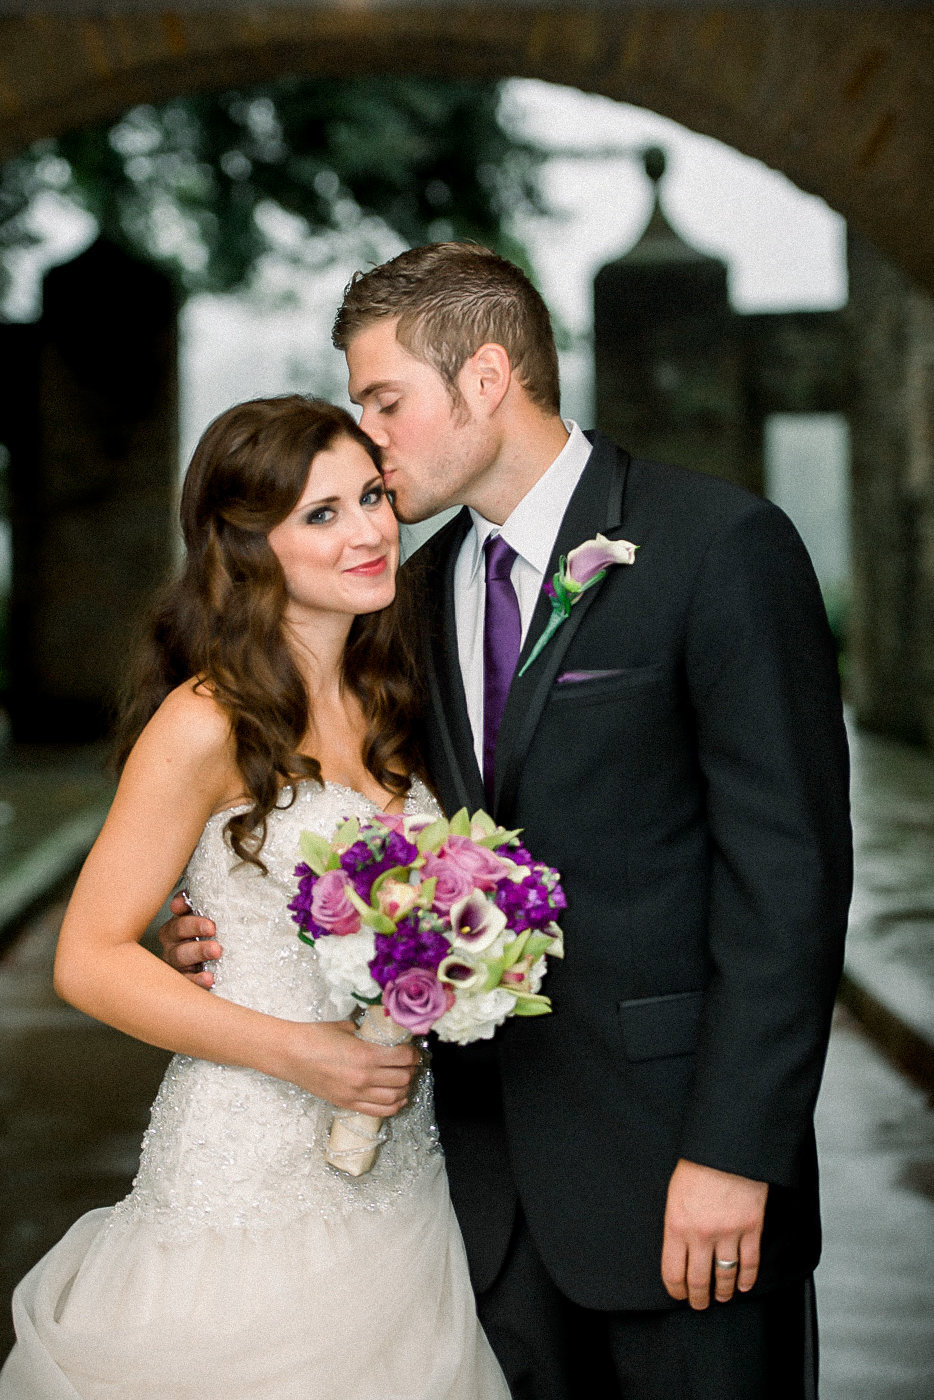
581, 569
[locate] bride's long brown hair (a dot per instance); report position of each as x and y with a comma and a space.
221, 620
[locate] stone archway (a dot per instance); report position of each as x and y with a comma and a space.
839, 100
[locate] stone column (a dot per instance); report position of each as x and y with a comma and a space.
93, 499
892, 635
668, 362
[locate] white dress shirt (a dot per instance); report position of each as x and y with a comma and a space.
531, 530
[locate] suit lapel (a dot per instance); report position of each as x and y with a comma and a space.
596, 507
445, 682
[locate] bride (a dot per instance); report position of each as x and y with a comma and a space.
278, 693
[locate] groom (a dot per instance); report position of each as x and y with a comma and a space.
635, 1175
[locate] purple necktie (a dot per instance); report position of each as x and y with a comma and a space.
502, 637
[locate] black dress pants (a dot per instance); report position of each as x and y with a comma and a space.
752, 1348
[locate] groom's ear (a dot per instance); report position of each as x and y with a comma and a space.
485, 378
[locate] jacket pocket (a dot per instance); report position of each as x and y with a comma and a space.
606, 684
653, 1027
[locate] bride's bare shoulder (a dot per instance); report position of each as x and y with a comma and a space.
191, 714
190, 733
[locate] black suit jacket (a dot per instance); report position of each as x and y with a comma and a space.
696, 804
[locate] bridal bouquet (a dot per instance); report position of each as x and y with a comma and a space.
430, 925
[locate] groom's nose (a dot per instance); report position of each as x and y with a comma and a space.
369, 422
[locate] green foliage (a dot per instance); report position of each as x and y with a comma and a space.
207, 184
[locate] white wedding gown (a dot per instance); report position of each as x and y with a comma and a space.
241, 1266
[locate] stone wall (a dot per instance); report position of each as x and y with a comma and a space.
838, 99
892, 638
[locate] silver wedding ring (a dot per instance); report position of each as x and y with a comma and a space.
726, 1263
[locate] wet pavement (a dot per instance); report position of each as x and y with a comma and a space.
74, 1095
52, 804
890, 942
875, 1283
74, 1104
74, 1101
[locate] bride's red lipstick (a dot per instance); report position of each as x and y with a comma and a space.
370, 570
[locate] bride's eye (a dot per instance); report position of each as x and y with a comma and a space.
321, 515
373, 496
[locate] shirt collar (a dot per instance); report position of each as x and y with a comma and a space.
532, 527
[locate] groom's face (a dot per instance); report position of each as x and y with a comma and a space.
434, 451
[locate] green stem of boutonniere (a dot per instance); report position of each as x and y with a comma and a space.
567, 592
551, 627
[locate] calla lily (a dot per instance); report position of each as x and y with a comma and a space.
593, 555
460, 970
583, 567
476, 923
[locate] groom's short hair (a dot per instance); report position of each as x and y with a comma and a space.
450, 299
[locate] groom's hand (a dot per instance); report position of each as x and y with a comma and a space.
710, 1216
188, 941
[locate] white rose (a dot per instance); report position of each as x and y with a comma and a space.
475, 1017
344, 962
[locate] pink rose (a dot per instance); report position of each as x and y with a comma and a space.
483, 867
330, 906
405, 826
416, 999
453, 882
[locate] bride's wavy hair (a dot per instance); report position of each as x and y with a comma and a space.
221, 619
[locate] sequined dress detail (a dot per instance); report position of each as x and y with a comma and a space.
241, 1264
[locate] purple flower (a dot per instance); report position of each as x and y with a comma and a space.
330, 907
593, 555
410, 946
364, 865
416, 999
484, 867
355, 856
400, 851
532, 901
454, 883
300, 906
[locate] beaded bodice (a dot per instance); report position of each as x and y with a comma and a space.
230, 1147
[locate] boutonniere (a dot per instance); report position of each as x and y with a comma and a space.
584, 567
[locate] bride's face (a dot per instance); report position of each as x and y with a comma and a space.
339, 546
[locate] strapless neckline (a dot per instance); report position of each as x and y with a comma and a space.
314, 784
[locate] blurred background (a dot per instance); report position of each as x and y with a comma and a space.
728, 213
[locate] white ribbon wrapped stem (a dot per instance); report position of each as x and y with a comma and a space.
356, 1138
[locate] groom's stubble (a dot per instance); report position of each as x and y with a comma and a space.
438, 450
435, 452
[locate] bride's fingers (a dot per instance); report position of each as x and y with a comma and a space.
378, 1107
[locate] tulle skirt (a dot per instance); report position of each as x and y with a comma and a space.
373, 1305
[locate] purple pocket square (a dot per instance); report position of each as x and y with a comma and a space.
572, 677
